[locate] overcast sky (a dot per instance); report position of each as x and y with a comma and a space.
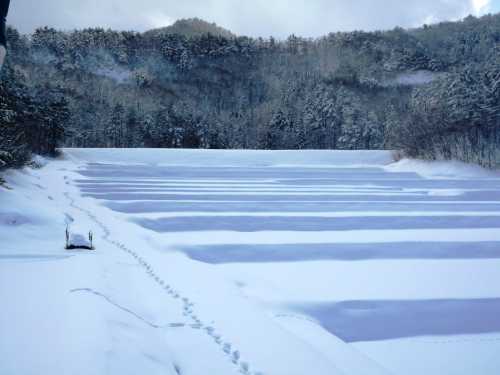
244, 17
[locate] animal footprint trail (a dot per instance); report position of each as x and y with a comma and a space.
226, 348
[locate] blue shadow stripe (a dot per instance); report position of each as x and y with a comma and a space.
355, 321
218, 254
312, 224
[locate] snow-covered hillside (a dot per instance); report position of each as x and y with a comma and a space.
227, 262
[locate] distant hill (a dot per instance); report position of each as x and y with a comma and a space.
192, 28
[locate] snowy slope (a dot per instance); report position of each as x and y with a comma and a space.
49, 324
225, 262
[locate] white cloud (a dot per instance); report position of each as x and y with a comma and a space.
481, 6
159, 19
256, 18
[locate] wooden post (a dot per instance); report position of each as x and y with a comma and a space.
67, 237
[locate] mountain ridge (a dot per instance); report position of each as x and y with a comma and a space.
191, 28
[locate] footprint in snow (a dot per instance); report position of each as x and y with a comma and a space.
217, 339
244, 367
235, 357
226, 347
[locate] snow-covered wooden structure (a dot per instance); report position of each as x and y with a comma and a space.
77, 239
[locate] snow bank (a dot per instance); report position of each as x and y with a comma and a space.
441, 169
38, 161
240, 158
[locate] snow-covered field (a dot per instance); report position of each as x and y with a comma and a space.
227, 262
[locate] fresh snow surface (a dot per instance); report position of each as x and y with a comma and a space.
441, 169
250, 262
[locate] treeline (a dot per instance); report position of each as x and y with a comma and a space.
432, 92
456, 117
32, 120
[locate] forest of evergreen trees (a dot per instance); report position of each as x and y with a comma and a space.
432, 92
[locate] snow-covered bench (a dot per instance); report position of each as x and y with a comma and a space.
78, 239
